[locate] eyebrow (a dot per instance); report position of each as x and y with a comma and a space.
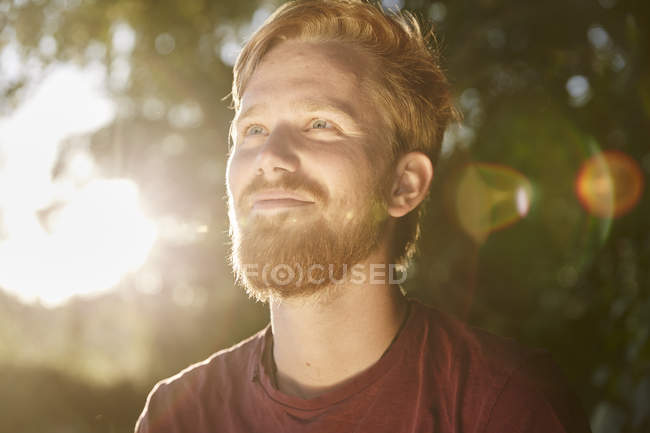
337, 107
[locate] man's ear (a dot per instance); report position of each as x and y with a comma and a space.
412, 177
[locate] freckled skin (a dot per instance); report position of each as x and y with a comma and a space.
340, 163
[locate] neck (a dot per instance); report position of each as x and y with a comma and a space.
320, 343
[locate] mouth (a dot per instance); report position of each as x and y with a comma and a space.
278, 200
280, 203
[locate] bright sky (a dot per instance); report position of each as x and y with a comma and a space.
97, 231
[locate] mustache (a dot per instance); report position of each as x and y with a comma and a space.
294, 183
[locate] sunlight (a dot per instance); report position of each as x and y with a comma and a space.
94, 240
77, 234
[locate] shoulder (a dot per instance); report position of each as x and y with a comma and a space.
218, 370
502, 385
461, 348
538, 392
178, 399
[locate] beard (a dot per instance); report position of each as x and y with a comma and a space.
302, 252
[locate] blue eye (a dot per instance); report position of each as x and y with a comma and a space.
254, 130
321, 124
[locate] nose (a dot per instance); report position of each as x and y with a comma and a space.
277, 156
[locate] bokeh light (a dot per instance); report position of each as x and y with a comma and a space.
609, 184
111, 115
557, 240
490, 197
579, 90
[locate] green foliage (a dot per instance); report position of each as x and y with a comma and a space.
560, 278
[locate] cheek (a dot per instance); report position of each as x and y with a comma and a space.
235, 174
351, 186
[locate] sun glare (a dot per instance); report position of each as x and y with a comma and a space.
77, 234
91, 243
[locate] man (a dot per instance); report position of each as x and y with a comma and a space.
340, 112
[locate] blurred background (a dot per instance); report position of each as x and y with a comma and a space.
113, 230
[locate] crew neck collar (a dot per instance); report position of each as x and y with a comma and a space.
262, 365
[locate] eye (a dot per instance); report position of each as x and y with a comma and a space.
254, 130
321, 124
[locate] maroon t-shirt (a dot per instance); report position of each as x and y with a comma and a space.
439, 375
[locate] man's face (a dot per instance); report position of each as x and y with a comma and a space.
305, 176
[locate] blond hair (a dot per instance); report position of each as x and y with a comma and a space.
408, 83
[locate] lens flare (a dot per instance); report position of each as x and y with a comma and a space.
557, 240
609, 184
490, 197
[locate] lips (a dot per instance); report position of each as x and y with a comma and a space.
276, 199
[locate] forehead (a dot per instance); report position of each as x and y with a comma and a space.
308, 70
